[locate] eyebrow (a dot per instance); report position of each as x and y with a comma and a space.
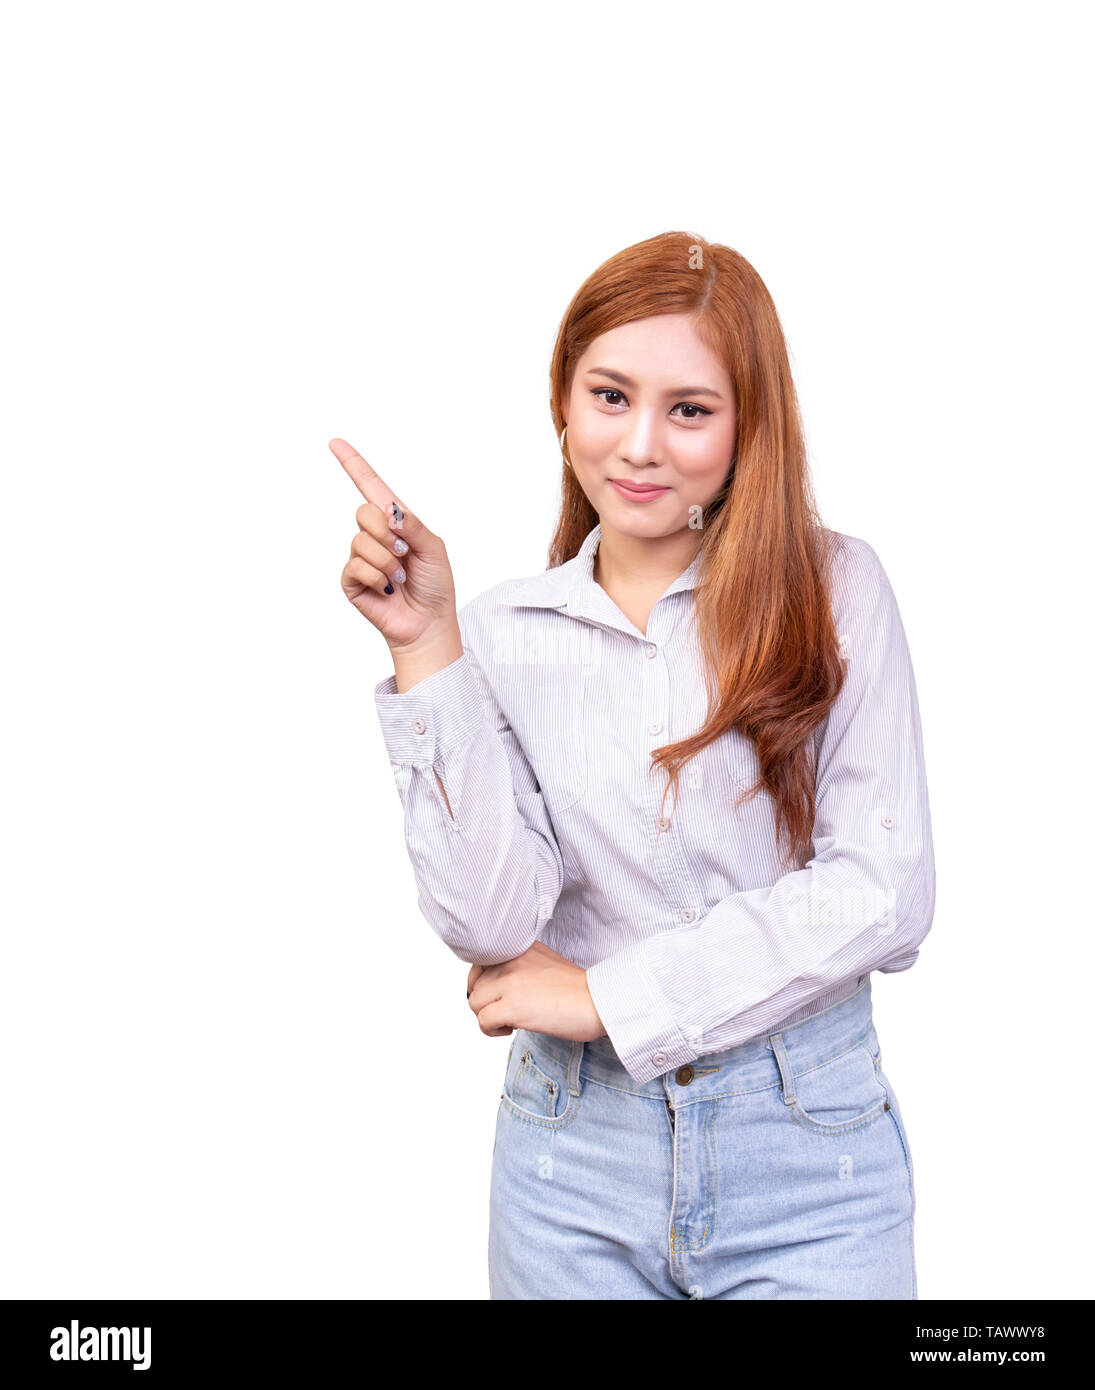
675, 391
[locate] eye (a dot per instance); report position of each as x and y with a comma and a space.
605, 391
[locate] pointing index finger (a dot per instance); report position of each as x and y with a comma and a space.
365, 477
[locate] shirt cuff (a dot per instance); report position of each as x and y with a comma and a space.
424, 723
636, 1017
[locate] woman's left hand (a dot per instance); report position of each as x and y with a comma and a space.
539, 990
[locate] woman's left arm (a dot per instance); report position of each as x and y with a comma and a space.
864, 901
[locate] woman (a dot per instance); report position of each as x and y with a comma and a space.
693, 1104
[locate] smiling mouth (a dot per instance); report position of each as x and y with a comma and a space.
638, 487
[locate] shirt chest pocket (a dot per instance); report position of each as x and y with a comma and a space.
725, 770
555, 738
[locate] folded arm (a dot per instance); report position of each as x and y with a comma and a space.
864, 901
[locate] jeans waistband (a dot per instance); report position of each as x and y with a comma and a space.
751, 1065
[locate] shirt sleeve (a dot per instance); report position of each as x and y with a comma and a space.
864, 901
485, 859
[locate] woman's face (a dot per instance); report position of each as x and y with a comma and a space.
650, 404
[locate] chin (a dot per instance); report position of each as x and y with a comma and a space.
637, 521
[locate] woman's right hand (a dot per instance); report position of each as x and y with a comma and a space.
424, 603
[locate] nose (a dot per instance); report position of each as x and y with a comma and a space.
641, 440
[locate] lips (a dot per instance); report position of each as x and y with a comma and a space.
637, 487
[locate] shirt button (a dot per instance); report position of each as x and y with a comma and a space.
887, 821
684, 1075
655, 728
651, 649
659, 1059
663, 824
687, 914
418, 725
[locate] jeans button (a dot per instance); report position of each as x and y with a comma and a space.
684, 1075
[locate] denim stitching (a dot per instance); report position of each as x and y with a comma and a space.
802, 1119
526, 1116
710, 1226
801, 1116
574, 1093
673, 1208
788, 1078
541, 1078
912, 1196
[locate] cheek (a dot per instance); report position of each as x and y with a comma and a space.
596, 431
705, 460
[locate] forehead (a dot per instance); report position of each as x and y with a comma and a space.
656, 348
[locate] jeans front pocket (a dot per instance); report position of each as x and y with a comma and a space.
531, 1088
836, 1096
539, 1087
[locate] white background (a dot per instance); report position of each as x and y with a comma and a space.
236, 1061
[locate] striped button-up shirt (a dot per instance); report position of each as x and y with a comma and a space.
693, 935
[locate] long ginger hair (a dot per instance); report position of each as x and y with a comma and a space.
763, 618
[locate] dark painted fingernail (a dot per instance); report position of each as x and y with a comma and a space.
388, 589
397, 511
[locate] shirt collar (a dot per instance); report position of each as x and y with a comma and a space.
571, 585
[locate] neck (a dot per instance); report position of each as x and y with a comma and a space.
642, 563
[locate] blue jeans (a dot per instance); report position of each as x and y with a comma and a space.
776, 1169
